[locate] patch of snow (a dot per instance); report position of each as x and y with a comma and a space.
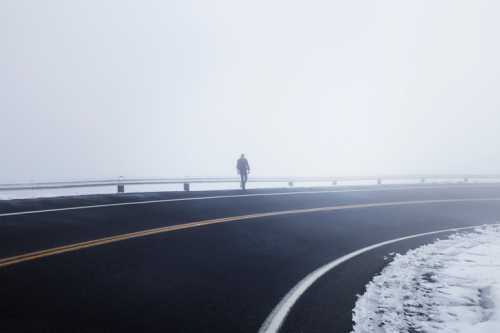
451, 285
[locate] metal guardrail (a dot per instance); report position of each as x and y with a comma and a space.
120, 183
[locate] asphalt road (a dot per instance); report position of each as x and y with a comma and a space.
226, 276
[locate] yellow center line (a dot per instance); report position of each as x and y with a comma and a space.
111, 239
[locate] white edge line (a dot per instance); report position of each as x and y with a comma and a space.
274, 321
421, 187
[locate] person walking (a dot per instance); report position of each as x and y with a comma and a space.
243, 169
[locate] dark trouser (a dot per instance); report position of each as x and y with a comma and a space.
244, 178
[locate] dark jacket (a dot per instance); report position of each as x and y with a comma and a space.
243, 165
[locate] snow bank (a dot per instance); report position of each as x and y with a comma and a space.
451, 285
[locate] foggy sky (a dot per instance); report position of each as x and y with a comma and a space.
144, 88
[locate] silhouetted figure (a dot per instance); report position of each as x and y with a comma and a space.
243, 169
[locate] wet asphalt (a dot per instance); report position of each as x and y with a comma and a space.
218, 278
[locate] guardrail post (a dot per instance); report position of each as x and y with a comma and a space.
121, 188
422, 180
186, 187
290, 184
379, 181
334, 182
466, 180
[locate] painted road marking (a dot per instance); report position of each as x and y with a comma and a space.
277, 317
106, 240
131, 203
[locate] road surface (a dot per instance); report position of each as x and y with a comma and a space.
212, 261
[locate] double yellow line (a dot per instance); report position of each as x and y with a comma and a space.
107, 240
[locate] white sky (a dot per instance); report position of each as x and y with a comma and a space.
102, 88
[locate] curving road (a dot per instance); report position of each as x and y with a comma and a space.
212, 261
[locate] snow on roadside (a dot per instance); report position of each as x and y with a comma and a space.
451, 285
